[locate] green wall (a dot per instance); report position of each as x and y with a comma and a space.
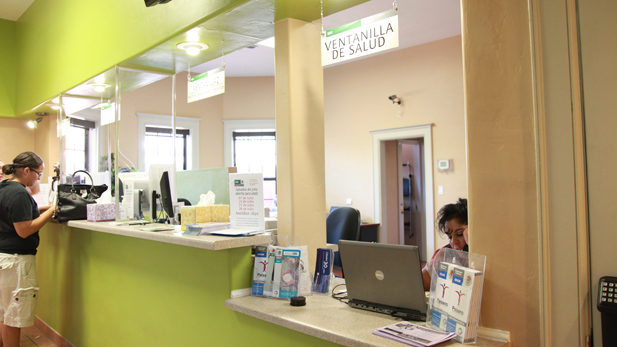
63, 43
7, 68
99, 289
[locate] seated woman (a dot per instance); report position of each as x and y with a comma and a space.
451, 221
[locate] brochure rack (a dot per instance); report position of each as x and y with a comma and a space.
456, 293
282, 272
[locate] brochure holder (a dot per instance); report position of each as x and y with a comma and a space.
281, 272
456, 293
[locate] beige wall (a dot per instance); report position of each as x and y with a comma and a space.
600, 84
16, 138
248, 98
429, 80
503, 193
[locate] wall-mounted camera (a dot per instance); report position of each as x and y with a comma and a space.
150, 3
395, 99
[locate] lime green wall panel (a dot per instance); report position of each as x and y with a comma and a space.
7, 68
99, 289
62, 43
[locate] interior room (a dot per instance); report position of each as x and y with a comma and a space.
512, 125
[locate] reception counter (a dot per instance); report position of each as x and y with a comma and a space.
106, 285
118, 286
209, 242
330, 320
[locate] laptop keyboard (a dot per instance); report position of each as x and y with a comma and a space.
405, 314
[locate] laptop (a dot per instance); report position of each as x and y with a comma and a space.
384, 278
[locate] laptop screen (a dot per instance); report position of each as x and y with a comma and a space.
383, 275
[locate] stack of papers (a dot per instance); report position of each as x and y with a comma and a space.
413, 335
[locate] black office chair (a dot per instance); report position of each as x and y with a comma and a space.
342, 224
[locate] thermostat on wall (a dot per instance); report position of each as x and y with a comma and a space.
443, 164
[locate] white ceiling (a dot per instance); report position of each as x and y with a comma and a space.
420, 21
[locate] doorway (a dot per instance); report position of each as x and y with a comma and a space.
410, 188
386, 200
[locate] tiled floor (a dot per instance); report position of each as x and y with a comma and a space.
32, 337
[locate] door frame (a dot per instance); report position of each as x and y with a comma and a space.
379, 137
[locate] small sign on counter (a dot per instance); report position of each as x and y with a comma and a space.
246, 201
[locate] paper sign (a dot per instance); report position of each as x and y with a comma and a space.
246, 201
207, 84
108, 114
360, 38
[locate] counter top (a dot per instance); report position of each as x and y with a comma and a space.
208, 242
330, 320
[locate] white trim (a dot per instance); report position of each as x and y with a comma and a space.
192, 124
378, 145
238, 293
229, 126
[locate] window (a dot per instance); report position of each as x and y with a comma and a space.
159, 146
255, 151
187, 160
79, 143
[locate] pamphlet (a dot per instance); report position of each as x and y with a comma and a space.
413, 335
259, 270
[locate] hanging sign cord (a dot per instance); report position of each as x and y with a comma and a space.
322, 31
223, 49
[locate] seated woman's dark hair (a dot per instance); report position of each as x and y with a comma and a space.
448, 212
23, 160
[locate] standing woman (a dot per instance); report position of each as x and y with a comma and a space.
20, 221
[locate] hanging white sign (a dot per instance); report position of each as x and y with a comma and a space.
207, 84
358, 39
108, 114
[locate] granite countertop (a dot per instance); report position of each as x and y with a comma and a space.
330, 320
209, 242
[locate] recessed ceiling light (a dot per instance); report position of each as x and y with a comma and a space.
192, 48
99, 87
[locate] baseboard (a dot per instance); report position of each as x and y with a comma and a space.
51, 333
494, 334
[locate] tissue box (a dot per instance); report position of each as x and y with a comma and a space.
101, 212
187, 216
203, 214
220, 213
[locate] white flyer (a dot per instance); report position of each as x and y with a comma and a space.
246, 201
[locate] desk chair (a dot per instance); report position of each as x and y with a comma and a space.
342, 224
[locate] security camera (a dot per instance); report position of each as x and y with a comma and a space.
395, 99
150, 3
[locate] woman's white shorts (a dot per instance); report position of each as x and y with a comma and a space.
18, 289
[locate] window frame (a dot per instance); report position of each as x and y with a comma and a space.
147, 119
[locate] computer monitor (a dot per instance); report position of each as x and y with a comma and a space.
136, 184
166, 199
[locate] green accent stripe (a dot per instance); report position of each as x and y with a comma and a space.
344, 28
200, 76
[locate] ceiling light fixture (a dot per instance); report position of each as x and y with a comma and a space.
32, 124
192, 48
54, 106
99, 87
